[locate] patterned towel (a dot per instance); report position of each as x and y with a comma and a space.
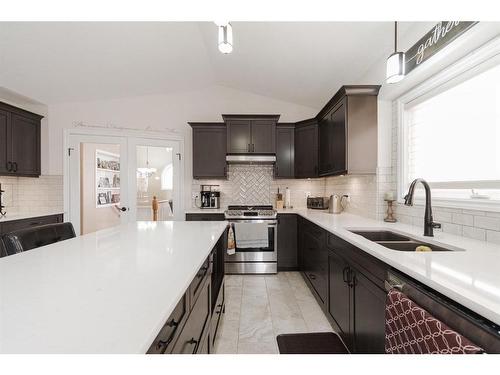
409, 329
231, 245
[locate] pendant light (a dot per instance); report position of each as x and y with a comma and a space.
395, 62
147, 171
225, 37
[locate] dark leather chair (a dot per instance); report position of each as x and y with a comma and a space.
31, 238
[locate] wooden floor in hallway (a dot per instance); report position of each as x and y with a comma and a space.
260, 307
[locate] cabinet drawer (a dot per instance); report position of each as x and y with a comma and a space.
189, 340
171, 329
11, 226
217, 313
199, 279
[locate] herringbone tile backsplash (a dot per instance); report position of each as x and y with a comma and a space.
254, 184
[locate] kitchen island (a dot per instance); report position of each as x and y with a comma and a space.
105, 292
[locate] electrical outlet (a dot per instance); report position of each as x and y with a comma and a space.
307, 194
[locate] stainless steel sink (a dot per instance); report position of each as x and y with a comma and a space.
398, 242
380, 235
411, 246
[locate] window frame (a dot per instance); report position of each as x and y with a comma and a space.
478, 61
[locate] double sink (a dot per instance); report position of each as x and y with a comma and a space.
399, 242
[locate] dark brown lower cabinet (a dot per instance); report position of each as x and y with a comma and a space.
347, 284
287, 242
339, 296
369, 315
205, 217
314, 258
356, 298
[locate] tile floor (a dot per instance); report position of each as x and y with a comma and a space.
260, 307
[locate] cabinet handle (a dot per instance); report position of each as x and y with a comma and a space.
192, 341
15, 166
249, 148
161, 343
345, 276
9, 166
253, 147
312, 277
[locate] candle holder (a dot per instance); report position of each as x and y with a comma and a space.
390, 212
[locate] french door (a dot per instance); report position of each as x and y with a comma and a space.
113, 180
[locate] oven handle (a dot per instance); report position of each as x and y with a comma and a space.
270, 223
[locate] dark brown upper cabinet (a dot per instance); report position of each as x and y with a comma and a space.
306, 149
19, 142
348, 132
332, 141
251, 134
209, 150
285, 151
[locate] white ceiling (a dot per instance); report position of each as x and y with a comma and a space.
303, 63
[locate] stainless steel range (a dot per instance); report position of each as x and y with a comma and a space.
257, 260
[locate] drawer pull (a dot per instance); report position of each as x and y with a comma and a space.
167, 342
312, 277
192, 341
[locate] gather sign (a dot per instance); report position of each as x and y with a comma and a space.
437, 38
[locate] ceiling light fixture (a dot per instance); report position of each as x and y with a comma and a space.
395, 62
147, 171
225, 37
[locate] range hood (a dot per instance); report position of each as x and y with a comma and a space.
251, 159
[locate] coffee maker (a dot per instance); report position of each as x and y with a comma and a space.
210, 196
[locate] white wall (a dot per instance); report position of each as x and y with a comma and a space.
163, 112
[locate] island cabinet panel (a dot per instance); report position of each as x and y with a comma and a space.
192, 327
306, 149
190, 339
287, 242
285, 151
170, 331
251, 134
209, 150
19, 142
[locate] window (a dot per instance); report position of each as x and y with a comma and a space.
450, 136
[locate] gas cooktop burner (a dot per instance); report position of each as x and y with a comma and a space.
250, 212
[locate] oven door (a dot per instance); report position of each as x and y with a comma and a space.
258, 254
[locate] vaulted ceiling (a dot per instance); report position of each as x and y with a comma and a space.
299, 62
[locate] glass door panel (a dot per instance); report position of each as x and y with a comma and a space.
156, 170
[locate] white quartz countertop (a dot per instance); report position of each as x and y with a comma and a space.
105, 292
15, 216
470, 277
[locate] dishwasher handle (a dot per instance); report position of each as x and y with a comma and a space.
393, 282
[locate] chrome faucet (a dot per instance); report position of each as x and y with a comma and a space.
429, 224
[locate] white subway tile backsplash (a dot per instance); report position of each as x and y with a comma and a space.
493, 236
25, 195
486, 222
462, 219
475, 233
